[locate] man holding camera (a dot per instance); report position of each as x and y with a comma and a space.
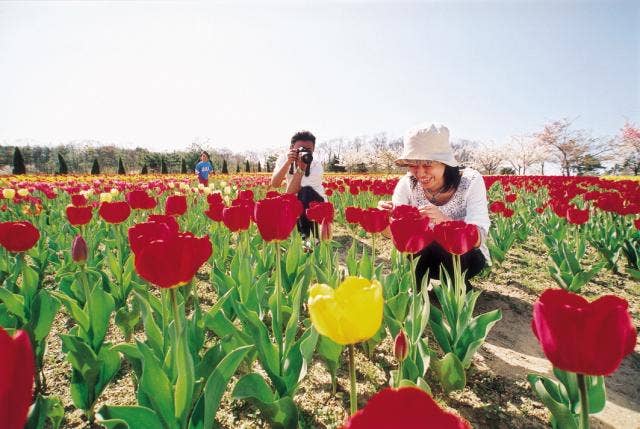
303, 176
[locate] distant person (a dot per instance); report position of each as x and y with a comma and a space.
204, 168
303, 174
442, 191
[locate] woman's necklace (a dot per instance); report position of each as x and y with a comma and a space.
433, 196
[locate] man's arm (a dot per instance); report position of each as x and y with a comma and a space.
295, 184
279, 175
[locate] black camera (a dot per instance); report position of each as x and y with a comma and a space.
306, 156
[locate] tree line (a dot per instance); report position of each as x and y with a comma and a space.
558, 143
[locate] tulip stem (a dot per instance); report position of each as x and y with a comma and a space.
584, 401
176, 317
277, 330
353, 394
85, 287
414, 325
373, 256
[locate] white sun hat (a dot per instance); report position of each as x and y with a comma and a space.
427, 142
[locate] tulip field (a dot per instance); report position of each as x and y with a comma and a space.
152, 301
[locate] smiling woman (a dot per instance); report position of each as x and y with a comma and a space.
442, 191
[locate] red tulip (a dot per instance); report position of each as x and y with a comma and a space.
79, 250
18, 236
582, 337
245, 194
79, 215
507, 212
637, 223
456, 236
276, 217
78, 200
166, 219
172, 260
497, 207
577, 216
353, 214
236, 218
142, 234
510, 198
411, 233
404, 211
406, 408
140, 200
400, 346
176, 205
374, 220
17, 372
215, 198
215, 211
320, 212
116, 212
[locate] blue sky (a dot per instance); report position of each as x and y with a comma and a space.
247, 75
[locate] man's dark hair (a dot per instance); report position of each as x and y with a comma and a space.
204, 152
303, 136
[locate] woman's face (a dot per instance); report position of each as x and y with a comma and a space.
429, 173
203, 158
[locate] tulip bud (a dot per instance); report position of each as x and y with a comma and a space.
106, 197
114, 192
400, 346
79, 250
8, 193
23, 192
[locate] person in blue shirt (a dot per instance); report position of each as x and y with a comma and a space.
204, 168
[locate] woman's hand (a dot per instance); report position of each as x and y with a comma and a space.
385, 205
433, 213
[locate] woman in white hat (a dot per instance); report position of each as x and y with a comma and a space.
441, 190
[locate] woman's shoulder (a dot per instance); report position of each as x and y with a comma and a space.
471, 174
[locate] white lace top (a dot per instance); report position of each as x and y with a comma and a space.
468, 203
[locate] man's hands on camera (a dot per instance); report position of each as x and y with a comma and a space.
294, 157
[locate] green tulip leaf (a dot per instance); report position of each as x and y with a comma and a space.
45, 409
128, 417
596, 390
548, 391
450, 372
204, 413
282, 413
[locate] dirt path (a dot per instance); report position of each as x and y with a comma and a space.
513, 352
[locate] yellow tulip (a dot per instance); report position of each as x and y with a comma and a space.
114, 192
8, 193
106, 197
23, 192
349, 314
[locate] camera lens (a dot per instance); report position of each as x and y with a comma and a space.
307, 157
